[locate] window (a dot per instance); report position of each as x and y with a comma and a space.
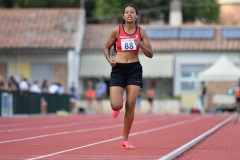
188, 79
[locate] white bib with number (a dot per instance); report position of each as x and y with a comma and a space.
128, 44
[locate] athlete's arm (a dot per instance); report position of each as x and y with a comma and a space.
109, 44
145, 44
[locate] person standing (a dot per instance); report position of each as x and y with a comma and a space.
90, 95
101, 91
128, 38
237, 96
150, 97
203, 93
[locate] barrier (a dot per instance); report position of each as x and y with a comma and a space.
6, 104
30, 103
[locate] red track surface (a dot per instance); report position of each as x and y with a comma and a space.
99, 136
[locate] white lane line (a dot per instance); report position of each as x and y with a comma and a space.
76, 131
54, 126
24, 122
86, 157
61, 133
117, 138
190, 144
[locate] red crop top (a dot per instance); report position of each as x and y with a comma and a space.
125, 42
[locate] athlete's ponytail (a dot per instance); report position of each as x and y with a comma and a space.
113, 51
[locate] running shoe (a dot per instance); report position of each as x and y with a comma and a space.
126, 145
115, 113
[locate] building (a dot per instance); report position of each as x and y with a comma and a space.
41, 44
180, 53
57, 45
229, 8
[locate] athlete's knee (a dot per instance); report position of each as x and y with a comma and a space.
130, 104
116, 106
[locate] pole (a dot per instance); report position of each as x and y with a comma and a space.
82, 4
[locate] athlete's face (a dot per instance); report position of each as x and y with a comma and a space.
130, 14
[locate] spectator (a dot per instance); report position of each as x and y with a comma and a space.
24, 85
53, 88
203, 93
101, 91
150, 97
90, 95
44, 87
139, 101
2, 83
74, 97
13, 84
35, 87
237, 96
61, 89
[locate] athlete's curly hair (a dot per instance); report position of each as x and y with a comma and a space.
113, 51
129, 5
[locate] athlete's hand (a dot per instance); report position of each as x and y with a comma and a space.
137, 42
112, 63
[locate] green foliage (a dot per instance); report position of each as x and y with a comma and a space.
110, 11
204, 10
39, 3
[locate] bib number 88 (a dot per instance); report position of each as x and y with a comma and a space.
128, 44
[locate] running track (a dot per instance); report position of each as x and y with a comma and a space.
155, 137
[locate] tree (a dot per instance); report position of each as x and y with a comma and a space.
204, 10
110, 11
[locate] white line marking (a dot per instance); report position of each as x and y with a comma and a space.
190, 144
113, 139
70, 132
53, 126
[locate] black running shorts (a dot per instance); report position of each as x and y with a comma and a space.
124, 74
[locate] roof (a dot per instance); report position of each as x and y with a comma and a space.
38, 28
96, 36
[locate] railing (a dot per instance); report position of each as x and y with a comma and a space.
32, 103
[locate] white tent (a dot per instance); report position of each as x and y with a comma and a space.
222, 70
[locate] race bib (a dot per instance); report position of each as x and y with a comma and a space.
128, 44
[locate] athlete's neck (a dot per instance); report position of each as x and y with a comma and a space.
129, 26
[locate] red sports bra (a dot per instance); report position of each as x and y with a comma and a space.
125, 42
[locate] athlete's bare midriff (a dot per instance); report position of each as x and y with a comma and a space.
126, 57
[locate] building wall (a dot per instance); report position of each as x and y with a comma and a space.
216, 88
3, 69
199, 59
17, 62
205, 59
230, 14
60, 74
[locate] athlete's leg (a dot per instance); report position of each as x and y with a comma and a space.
132, 93
116, 94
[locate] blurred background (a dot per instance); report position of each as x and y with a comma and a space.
53, 49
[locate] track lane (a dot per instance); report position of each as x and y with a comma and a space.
151, 144
224, 144
154, 129
45, 145
89, 125
112, 149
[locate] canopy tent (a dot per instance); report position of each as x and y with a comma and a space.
222, 70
